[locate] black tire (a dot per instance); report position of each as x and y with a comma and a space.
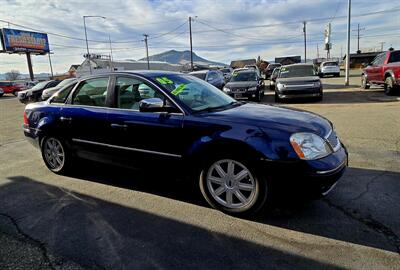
15, 93
256, 198
337, 75
66, 163
364, 82
258, 96
389, 87
277, 98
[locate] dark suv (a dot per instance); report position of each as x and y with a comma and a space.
214, 77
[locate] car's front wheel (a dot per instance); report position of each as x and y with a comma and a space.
55, 155
233, 186
364, 82
389, 86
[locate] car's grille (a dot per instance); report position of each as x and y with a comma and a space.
333, 140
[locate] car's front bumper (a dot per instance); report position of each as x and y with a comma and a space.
315, 178
299, 93
243, 95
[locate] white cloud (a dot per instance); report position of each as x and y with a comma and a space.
128, 20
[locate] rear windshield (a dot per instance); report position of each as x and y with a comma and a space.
199, 75
297, 71
330, 64
394, 57
5, 84
243, 76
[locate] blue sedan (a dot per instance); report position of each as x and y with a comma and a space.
241, 153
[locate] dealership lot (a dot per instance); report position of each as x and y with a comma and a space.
104, 217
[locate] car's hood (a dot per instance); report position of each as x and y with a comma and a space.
50, 90
241, 84
298, 79
275, 118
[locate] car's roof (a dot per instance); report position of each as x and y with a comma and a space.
199, 71
148, 73
245, 71
299, 65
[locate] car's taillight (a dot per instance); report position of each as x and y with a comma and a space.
26, 120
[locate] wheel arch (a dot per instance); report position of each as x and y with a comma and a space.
389, 73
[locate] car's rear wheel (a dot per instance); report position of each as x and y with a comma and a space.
364, 82
55, 155
233, 186
389, 86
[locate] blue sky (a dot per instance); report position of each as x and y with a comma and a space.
223, 30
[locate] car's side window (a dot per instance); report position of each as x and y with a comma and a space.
211, 76
62, 95
92, 92
130, 91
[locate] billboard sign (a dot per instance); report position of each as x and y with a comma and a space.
20, 41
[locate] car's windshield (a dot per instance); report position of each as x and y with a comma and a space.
330, 64
194, 93
64, 83
40, 85
243, 76
297, 71
200, 75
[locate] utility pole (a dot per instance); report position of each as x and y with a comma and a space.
382, 45
111, 54
346, 81
305, 41
317, 52
28, 58
87, 45
51, 66
147, 50
358, 37
191, 46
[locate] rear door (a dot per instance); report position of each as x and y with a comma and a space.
140, 138
84, 117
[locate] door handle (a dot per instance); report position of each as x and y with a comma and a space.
119, 126
65, 119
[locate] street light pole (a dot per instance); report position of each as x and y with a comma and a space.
51, 66
305, 41
87, 44
147, 50
346, 82
191, 45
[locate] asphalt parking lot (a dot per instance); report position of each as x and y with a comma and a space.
108, 218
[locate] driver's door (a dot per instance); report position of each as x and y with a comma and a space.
140, 137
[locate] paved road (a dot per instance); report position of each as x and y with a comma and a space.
107, 218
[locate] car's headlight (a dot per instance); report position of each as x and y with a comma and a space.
252, 88
226, 89
280, 86
309, 146
317, 84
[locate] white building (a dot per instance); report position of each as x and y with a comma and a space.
101, 64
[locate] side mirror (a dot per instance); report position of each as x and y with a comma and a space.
155, 105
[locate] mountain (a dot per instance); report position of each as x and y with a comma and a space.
181, 57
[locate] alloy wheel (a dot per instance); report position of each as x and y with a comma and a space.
54, 154
231, 184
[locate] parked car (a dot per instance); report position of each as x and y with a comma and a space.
255, 67
273, 77
298, 81
10, 87
245, 84
227, 72
329, 68
214, 77
236, 150
384, 70
34, 94
1, 92
50, 91
270, 69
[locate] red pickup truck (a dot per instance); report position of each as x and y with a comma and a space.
384, 70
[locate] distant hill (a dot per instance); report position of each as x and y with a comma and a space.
181, 57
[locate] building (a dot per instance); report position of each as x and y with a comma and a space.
101, 64
358, 60
288, 60
242, 63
